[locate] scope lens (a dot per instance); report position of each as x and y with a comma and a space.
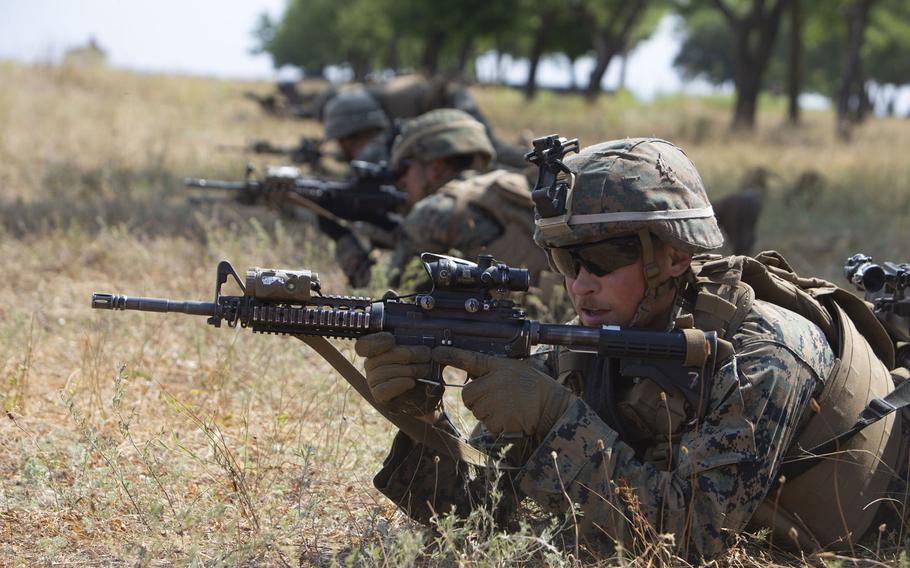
872, 277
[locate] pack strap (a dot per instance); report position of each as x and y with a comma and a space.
419, 431
877, 409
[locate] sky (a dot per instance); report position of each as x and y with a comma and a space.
214, 37
203, 37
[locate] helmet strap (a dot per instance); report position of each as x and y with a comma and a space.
653, 285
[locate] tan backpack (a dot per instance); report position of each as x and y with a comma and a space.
829, 502
505, 197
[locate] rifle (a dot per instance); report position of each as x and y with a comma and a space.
468, 307
887, 288
367, 196
307, 152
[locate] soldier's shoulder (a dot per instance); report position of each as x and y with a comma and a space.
776, 327
503, 178
430, 215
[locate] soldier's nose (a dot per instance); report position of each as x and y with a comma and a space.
584, 283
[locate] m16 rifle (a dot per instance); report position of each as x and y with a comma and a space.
367, 196
887, 288
468, 307
308, 152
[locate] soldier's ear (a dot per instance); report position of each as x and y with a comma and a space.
679, 261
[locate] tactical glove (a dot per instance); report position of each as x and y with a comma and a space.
392, 371
508, 395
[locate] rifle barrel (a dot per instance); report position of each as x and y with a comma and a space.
616, 342
216, 184
116, 302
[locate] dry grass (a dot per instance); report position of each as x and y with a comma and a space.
147, 440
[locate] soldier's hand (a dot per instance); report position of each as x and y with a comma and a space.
392, 371
508, 395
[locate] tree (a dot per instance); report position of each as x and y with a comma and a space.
852, 85
755, 30
706, 51
794, 61
887, 36
313, 34
555, 26
613, 25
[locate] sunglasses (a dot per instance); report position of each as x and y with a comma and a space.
599, 258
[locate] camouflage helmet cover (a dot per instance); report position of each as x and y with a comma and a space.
623, 186
442, 133
352, 111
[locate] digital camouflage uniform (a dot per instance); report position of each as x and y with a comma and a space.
701, 480
348, 114
470, 214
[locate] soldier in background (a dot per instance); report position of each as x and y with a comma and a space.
408, 96
458, 207
354, 119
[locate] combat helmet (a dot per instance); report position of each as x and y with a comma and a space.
636, 186
353, 111
442, 133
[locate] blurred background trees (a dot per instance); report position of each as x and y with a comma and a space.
851, 51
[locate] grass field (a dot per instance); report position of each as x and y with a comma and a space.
147, 440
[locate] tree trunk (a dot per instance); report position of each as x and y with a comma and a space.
432, 48
537, 46
857, 16
623, 69
360, 67
755, 33
608, 42
392, 57
464, 55
604, 53
794, 61
748, 88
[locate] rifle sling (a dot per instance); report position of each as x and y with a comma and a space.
417, 430
877, 409
308, 203
377, 235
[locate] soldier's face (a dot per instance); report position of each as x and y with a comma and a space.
610, 299
613, 299
414, 181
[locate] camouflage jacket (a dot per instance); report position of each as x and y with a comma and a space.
711, 478
428, 227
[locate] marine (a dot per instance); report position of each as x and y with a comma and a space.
636, 460
457, 207
354, 119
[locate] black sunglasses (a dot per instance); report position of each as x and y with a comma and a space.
599, 258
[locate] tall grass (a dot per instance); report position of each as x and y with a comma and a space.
156, 440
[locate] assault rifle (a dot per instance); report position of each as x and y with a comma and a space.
367, 196
468, 307
307, 152
887, 288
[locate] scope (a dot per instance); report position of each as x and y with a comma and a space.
449, 273
870, 277
864, 274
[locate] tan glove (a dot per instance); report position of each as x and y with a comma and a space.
392, 371
508, 395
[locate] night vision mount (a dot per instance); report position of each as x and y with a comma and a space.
550, 193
